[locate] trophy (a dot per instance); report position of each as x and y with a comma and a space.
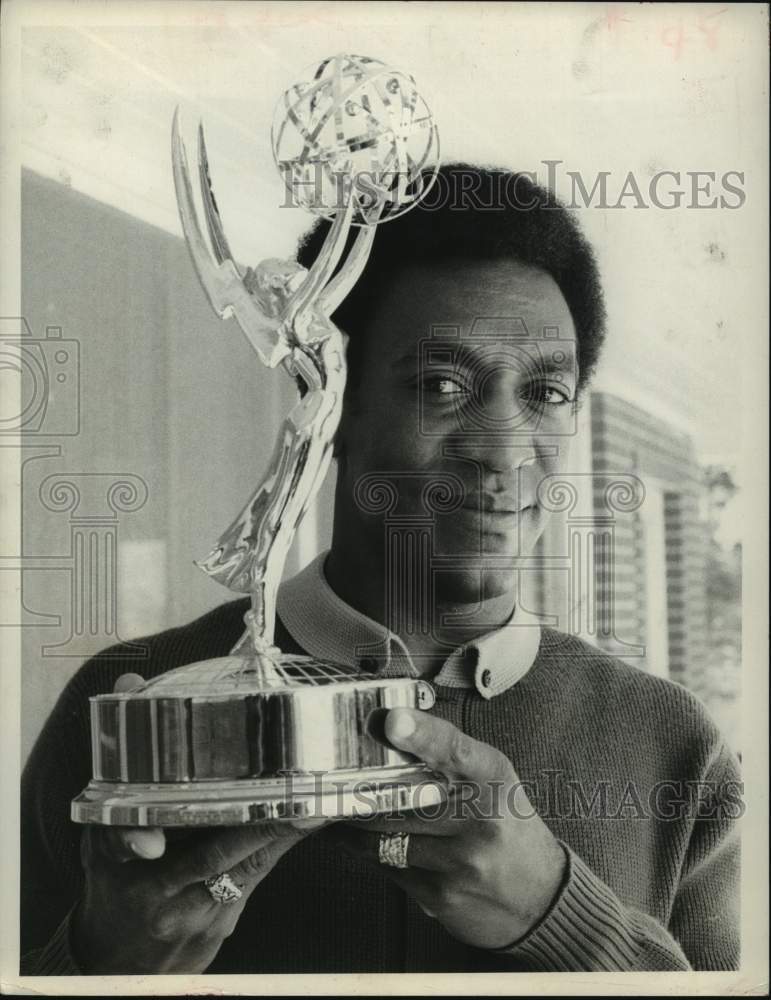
261, 734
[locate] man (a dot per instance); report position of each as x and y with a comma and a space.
553, 866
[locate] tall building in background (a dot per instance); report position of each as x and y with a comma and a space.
652, 592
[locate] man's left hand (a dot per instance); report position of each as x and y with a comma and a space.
486, 866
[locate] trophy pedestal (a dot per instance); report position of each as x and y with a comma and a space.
295, 796
248, 739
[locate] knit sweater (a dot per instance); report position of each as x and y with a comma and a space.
628, 771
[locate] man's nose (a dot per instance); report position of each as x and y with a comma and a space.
497, 453
504, 426
500, 454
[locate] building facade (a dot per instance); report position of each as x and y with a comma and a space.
653, 594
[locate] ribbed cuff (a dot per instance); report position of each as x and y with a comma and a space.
55, 959
585, 930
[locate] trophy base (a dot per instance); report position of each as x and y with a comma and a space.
322, 796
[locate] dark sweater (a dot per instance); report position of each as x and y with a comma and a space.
642, 891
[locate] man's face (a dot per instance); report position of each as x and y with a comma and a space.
467, 387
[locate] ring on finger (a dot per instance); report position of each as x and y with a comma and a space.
392, 850
223, 889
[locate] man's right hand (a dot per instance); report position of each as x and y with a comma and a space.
145, 909
157, 916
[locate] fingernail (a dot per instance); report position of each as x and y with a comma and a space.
402, 725
128, 682
143, 850
308, 823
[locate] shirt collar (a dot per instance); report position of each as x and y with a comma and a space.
328, 628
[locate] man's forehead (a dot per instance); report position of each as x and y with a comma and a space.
501, 298
510, 329
502, 342
498, 275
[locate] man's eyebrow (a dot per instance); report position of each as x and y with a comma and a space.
556, 357
414, 354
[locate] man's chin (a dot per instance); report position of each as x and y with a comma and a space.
482, 564
474, 536
473, 585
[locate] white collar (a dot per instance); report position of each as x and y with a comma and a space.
328, 628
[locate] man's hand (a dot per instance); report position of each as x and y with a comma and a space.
487, 867
157, 915
145, 907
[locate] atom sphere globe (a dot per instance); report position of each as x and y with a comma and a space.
355, 128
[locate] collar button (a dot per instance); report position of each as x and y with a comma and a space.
368, 664
486, 678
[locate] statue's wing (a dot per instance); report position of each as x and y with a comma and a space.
218, 273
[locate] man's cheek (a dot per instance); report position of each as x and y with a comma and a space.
556, 451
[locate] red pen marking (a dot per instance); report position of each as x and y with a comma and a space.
709, 27
674, 38
613, 17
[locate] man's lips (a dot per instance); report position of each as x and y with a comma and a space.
499, 519
489, 505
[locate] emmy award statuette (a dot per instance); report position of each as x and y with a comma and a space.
261, 734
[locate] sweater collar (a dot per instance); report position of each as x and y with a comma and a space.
328, 628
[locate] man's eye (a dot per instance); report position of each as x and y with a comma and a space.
443, 385
552, 395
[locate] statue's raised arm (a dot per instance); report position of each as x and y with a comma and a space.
345, 143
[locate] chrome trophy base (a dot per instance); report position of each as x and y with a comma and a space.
296, 796
249, 738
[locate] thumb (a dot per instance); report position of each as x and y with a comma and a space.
309, 823
132, 843
128, 682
